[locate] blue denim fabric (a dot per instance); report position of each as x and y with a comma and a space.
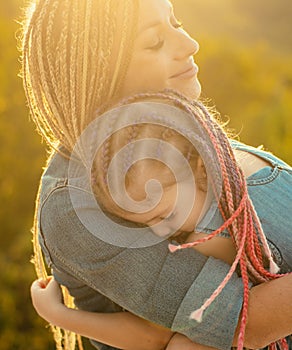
270, 190
150, 282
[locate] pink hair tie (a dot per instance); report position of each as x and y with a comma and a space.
173, 248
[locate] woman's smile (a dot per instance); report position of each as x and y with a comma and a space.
187, 72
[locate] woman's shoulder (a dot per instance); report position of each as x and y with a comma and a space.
260, 152
57, 165
55, 175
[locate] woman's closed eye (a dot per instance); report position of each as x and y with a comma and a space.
177, 25
157, 46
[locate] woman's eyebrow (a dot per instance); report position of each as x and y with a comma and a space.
149, 25
154, 23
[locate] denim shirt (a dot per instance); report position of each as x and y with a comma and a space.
270, 190
150, 282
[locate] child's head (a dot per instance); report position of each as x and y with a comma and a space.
152, 192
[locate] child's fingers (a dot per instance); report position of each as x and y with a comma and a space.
46, 288
46, 294
41, 283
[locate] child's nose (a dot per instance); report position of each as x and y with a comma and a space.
161, 230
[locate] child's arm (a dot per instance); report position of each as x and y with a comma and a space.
269, 318
122, 329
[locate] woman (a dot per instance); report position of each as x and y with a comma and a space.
82, 56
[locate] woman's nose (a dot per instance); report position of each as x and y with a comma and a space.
186, 46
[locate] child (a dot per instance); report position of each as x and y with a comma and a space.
195, 211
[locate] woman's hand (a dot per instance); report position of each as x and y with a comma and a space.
47, 298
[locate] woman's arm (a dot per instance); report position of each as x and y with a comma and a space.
269, 313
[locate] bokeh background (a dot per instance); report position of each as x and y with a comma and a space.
246, 71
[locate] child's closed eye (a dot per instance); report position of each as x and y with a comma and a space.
169, 217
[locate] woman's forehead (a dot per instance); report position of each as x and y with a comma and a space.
151, 10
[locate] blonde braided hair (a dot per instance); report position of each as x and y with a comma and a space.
69, 71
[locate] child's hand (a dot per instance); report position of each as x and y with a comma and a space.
47, 298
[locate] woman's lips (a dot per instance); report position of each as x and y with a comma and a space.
186, 73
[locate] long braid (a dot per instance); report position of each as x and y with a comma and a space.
85, 64
64, 66
132, 8
240, 218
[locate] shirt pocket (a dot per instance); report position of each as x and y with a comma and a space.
263, 176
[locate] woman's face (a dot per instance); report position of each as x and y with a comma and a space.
163, 53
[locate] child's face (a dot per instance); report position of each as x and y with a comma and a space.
173, 214
162, 54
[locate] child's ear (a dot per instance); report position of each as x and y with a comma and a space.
201, 175
200, 168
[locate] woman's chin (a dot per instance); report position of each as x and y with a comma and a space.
192, 90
